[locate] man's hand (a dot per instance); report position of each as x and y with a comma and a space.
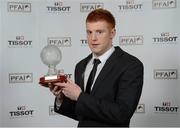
56, 90
69, 89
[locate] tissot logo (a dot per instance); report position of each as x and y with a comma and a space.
20, 42
58, 7
140, 108
84, 42
131, 5
20, 78
165, 74
87, 7
21, 111
60, 41
163, 4
51, 111
131, 40
19, 7
69, 75
165, 37
166, 107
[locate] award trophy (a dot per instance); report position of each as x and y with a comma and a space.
51, 56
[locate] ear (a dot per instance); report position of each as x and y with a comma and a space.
113, 33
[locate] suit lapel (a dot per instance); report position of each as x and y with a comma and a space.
107, 68
82, 70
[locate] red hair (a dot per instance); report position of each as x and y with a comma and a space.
101, 15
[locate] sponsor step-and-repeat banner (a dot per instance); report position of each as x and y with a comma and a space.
147, 29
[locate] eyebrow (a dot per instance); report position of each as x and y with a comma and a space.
96, 30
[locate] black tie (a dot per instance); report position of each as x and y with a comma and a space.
92, 75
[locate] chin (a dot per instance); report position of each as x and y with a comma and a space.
97, 53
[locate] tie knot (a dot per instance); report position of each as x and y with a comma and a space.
96, 61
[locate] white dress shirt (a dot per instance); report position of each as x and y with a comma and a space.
103, 58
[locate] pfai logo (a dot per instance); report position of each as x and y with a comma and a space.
131, 40
165, 74
20, 78
51, 111
163, 4
60, 41
140, 108
19, 7
87, 7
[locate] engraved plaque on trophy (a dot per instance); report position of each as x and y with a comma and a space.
51, 56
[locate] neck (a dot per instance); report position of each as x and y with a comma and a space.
98, 55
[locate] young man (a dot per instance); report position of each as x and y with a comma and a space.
111, 97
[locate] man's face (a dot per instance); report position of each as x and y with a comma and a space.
99, 36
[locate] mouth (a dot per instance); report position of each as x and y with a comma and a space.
94, 45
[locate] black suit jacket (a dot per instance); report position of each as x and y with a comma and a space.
115, 94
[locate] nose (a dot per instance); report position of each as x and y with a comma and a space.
94, 36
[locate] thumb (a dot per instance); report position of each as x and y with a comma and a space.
69, 80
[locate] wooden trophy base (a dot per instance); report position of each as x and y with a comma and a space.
52, 79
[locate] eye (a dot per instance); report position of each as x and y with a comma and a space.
88, 32
99, 32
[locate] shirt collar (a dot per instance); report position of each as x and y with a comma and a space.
104, 56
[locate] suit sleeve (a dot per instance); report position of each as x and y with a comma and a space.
122, 108
67, 108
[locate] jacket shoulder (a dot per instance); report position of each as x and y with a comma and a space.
84, 61
126, 58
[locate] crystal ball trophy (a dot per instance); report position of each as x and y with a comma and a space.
51, 56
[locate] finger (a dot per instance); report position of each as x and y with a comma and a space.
64, 92
61, 85
54, 89
58, 93
51, 86
69, 80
